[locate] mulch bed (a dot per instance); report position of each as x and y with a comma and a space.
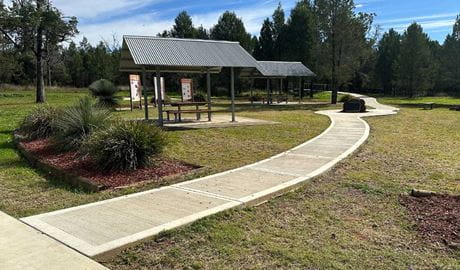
74, 163
437, 217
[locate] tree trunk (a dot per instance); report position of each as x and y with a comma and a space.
333, 45
40, 96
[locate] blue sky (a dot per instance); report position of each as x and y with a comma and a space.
102, 19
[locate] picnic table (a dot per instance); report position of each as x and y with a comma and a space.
179, 110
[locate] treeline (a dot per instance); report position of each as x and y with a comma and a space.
339, 44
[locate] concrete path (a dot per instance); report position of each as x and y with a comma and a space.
23, 247
100, 228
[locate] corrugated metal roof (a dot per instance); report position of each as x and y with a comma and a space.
186, 54
284, 69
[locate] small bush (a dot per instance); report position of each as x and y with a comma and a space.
77, 122
104, 91
346, 98
125, 145
166, 100
199, 97
38, 124
257, 96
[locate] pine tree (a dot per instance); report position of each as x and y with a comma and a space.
278, 25
344, 40
450, 61
265, 50
183, 27
202, 33
414, 62
230, 27
387, 55
36, 25
299, 35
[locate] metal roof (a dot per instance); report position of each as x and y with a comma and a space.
278, 69
182, 55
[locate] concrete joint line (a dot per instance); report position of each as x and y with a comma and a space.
207, 194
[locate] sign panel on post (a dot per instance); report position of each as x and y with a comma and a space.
187, 90
162, 82
135, 83
136, 90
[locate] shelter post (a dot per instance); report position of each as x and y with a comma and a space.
144, 89
268, 91
160, 98
208, 82
300, 89
232, 89
252, 92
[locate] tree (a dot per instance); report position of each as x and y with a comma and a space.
279, 21
343, 36
183, 27
230, 27
387, 56
202, 33
299, 34
265, 48
450, 60
37, 26
414, 62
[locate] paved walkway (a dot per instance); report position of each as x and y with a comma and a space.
98, 228
22, 247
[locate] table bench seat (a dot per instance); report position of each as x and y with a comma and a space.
178, 113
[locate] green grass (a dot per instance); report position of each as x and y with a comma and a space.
420, 101
25, 191
349, 218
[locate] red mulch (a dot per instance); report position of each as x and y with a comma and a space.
74, 163
437, 217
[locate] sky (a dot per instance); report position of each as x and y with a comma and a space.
104, 19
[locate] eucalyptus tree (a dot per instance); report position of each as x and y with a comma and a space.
230, 27
38, 26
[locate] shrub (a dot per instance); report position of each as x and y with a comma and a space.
125, 145
77, 122
166, 100
257, 96
199, 97
104, 91
346, 98
38, 124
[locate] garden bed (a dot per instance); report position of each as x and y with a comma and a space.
82, 171
437, 217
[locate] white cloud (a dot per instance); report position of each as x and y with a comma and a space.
137, 25
94, 8
418, 18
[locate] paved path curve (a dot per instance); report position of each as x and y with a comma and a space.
99, 228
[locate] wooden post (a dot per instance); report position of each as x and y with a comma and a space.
208, 82
160, 98
232, 90
300, 89
268, 91
144, 90
252, 92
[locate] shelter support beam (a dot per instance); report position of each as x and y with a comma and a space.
144, 90
208, 84
160, 98
300, 89
232, 90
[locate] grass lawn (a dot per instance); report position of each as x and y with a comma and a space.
349, 218
25, 191
419, 101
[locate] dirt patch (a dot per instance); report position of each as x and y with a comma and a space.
437, 217
84, 166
